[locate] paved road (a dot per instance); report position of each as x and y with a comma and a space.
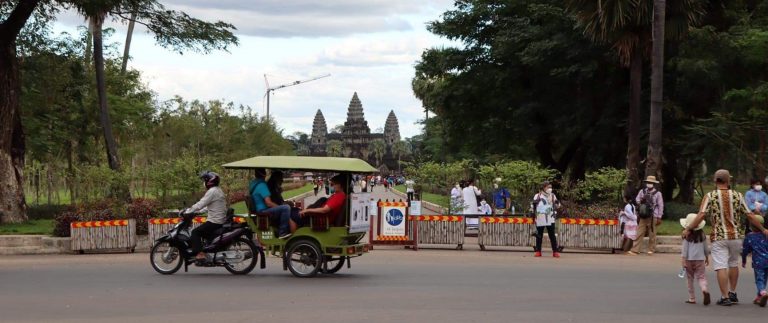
390, 285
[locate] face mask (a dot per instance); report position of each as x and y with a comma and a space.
758, 187
483, 203
549, 191
495, 185
457, 186
649, 185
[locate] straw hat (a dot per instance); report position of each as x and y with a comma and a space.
688, 219
651, 179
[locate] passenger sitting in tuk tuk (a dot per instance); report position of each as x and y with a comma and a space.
332, 207
263, 202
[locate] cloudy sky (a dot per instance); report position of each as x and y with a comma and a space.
368, 46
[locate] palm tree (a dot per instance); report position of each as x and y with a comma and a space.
653, 163
334, 148
378, 148
623, 24
626, 26
400, 149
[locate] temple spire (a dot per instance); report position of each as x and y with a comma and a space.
355, 110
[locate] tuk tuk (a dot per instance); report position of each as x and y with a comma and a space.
320, 246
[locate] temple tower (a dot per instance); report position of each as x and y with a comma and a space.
319, 132
356, 134
391, 129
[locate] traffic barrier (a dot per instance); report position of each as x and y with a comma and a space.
158, 227
393, 225
103, 235
589, 234
440, 229
506, 231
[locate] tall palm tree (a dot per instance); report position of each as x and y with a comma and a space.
653, 159
626, 26
378, 148
623, 24
333, 148
400, 149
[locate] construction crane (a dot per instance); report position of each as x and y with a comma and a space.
272, 89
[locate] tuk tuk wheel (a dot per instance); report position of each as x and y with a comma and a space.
304, 258
334, 264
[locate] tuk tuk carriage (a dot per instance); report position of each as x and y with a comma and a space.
320, 246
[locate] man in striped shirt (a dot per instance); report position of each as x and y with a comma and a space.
725, 209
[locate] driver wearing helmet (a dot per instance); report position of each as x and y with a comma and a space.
216, 203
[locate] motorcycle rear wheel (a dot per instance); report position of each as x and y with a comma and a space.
242, 246
165, 258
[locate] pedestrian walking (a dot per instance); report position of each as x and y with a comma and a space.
725, 209
409, 189
544, 205
695, 259
315, 186
628, 219
327, 185
755, 243
650, 208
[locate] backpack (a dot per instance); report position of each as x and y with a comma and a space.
645, 209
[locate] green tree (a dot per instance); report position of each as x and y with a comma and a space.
334, 148
400, 149
377, 149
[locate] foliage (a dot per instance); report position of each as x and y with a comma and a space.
45, 212
605, 184
676, 210
438, 178
142, 210
573, 210
334, 148
102, 210
522, 178
33, 226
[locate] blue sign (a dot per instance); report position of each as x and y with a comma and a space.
394, 217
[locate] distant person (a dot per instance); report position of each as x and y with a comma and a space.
757, 199
695, 259
315, 186
364, 185
485, 208
262, 200
545, 204
457, 203
501, 198
628, 219
469, 196
409, 189
650, 208
327, 186
725, 209
756, 244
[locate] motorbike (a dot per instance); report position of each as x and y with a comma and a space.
231, 247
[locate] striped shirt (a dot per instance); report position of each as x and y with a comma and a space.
725, 210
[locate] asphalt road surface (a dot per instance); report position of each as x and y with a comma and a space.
387, 285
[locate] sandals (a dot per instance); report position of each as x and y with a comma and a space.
690, 301
707, 299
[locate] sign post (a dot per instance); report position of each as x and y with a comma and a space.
393, 226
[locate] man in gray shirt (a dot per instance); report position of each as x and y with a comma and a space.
215, 202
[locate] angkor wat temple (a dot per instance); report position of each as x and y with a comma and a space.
356, 137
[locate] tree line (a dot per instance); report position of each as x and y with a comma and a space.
566, 83
76, 119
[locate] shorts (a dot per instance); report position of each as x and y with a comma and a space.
726, 254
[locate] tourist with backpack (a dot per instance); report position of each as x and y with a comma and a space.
650, 207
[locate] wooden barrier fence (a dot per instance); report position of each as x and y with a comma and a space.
506, 231
589, 234
103, 235
440, 229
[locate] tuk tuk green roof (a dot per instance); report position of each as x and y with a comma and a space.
336, 164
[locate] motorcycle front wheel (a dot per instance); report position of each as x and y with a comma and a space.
165, 258
245, 259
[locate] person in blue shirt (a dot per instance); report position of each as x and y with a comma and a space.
263, 203
501, 198
755, 243
756, 198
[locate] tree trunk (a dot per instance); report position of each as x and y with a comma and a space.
88, 43
126, 51
760, 170
633, 127
119, 190
653, 158
13, 207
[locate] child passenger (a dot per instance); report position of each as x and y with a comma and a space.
695, 259
756, 244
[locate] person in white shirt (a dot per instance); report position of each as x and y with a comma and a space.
544, 205
409, 189
215, 202
485, 208
469, 194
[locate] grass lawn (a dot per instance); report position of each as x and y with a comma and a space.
30, 227
240, 207
442, 200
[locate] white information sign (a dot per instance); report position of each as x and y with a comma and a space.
359, 215
392, 221
415, 208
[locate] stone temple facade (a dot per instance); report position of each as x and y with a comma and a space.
356, 137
